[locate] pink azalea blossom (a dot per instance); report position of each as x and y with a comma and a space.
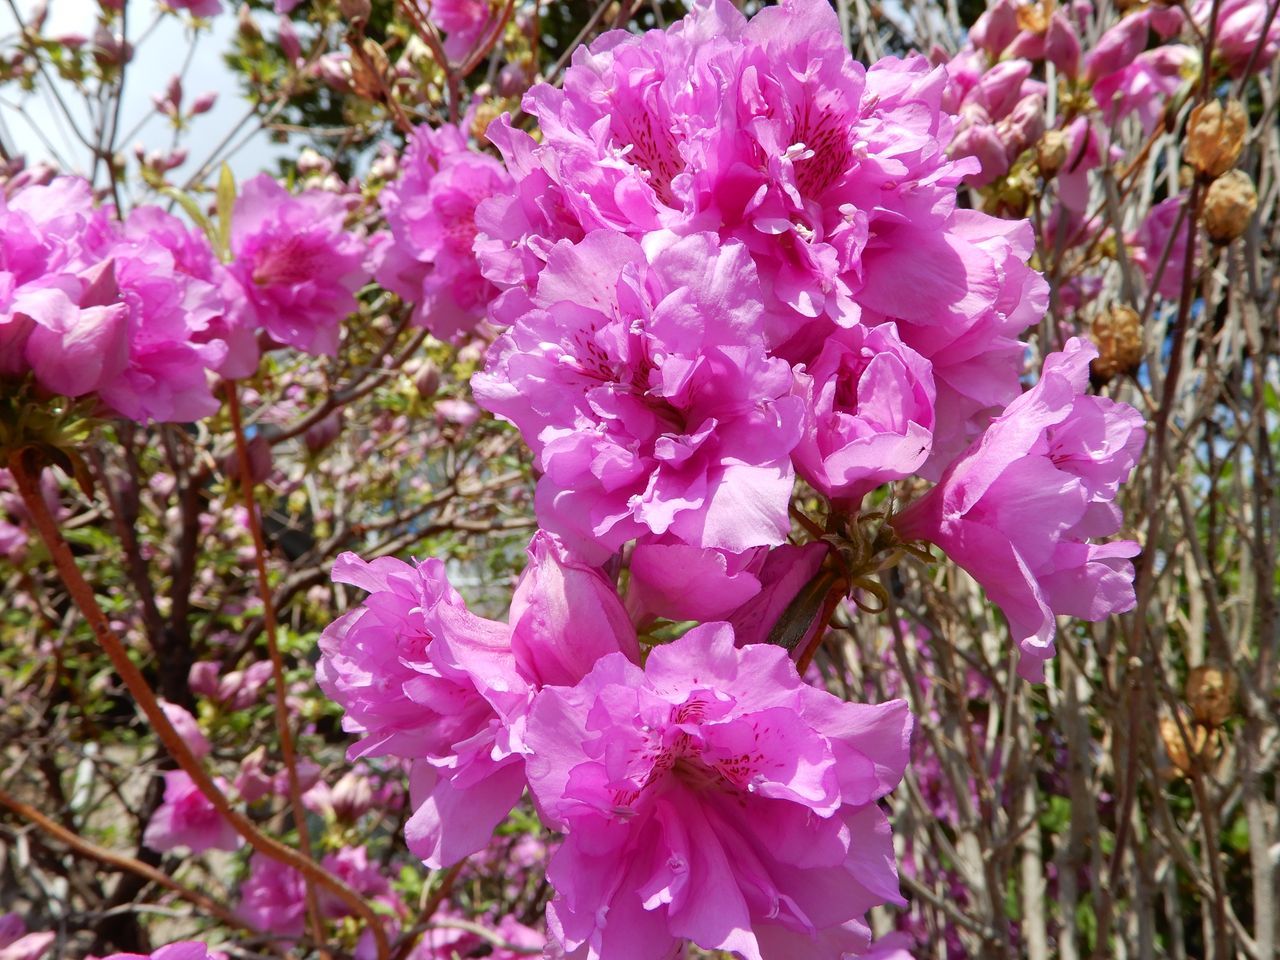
17, 944
783, 574
188, 819
431, 213
197, 8
187, 728
565, 616
409, 699
464, 22
869, 401
835, 178
713, 796
661, 571
185, 950
273, 898
1021, 508
297, 268
638, 376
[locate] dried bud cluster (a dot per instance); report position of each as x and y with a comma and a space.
1215, 137
1211, 693
1117, 332
1229, 206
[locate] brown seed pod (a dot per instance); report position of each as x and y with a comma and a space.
1229, 206
1211, 693
1117, 332
1183, 752
1215, 137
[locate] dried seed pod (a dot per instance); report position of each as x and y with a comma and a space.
1211, 693
1229, 205
1117, 332
1183, 752
1215, 137
1051, 152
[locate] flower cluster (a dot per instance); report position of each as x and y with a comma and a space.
733, 260
140, 313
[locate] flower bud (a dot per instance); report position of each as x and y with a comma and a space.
355, 10
1229, 206
1215, 137
203, 103
1051, 152
322, 433
1117, 333
427, 380
352, 797
1211, 693
290, 45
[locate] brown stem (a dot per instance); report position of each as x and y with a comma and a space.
273, 650
121, 862
25, 475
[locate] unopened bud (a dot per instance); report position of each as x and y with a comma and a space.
290, 45
322, 433
245, 23
311, 163
1211, 693
1051, 152
203, 103
1215, 137
427, 380
1229, 206
352, 797
1117, 332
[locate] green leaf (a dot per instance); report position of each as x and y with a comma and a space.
188, 204
226, 202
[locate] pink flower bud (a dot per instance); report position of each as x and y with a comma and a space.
203, 103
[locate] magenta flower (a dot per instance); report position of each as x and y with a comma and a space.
565, 616
408, 698
868, 401
1118, 47
1240, 32
186, 818
661, 571
1159, 251
836, 179
297, 268
197, 8
1146, 84
187, 728
713, 796
1020, 509
638, 376
88, 307
431, 212
464, 23
185, 950
17, 944
273, 898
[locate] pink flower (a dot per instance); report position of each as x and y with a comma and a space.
464, 23
1020, 508
783, 574
89, 307
408, 698
1118, 47
198, 8
297, 268
868, 400
273, 898
351, 865
1146, 84
565, 616
836, 179
1240, 32
185, 950
1158, 251
187, 728
638, 376
661, 571
714, 796
431, 212
186, 818
17, 944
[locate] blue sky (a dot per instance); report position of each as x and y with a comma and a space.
158, 58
